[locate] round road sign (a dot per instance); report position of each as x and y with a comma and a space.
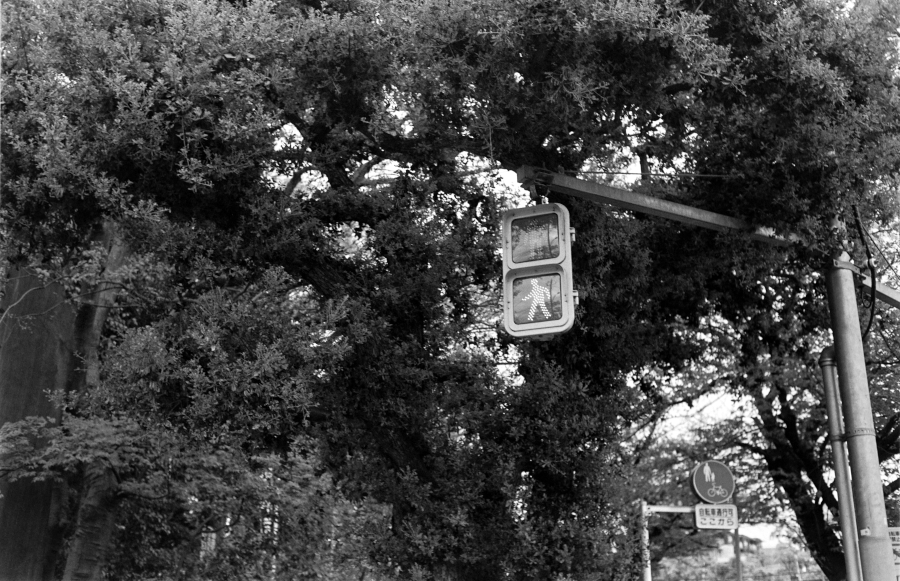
713, 482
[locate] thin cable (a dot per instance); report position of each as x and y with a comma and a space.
884, 256
887, 342
668, 175
871, 264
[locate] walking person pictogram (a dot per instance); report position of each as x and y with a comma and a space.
539, 297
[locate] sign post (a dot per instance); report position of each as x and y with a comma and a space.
647, 510
706, 516
713, 483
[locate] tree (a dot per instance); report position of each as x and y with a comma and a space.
273, 262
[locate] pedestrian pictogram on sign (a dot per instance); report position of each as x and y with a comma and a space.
713, 482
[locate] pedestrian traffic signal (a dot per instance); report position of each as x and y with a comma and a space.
538, 299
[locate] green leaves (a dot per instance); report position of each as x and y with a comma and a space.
118, 442
305, 324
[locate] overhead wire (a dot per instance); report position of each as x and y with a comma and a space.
881, 330
887, 342
660, 174
884, 256
870, 262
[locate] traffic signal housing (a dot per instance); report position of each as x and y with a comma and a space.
538, 298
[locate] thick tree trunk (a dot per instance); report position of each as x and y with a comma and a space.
96, 513
96, 520
46, 346
36, 337
787, 458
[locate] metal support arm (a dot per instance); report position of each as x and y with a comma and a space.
636, 202
628, 200
882, 292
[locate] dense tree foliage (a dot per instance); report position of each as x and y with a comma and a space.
260, 238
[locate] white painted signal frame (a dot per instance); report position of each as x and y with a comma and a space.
560, 265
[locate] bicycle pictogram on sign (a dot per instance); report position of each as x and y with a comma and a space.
712, 482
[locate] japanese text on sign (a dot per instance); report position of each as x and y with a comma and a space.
719, 516
894, 534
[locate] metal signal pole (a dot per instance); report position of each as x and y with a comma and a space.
875, 551
846, 510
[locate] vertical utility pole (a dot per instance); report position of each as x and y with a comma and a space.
846, 510
875, 552
645, 540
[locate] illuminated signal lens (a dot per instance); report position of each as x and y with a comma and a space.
537, 298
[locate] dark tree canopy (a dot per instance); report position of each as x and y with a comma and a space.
261, 240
